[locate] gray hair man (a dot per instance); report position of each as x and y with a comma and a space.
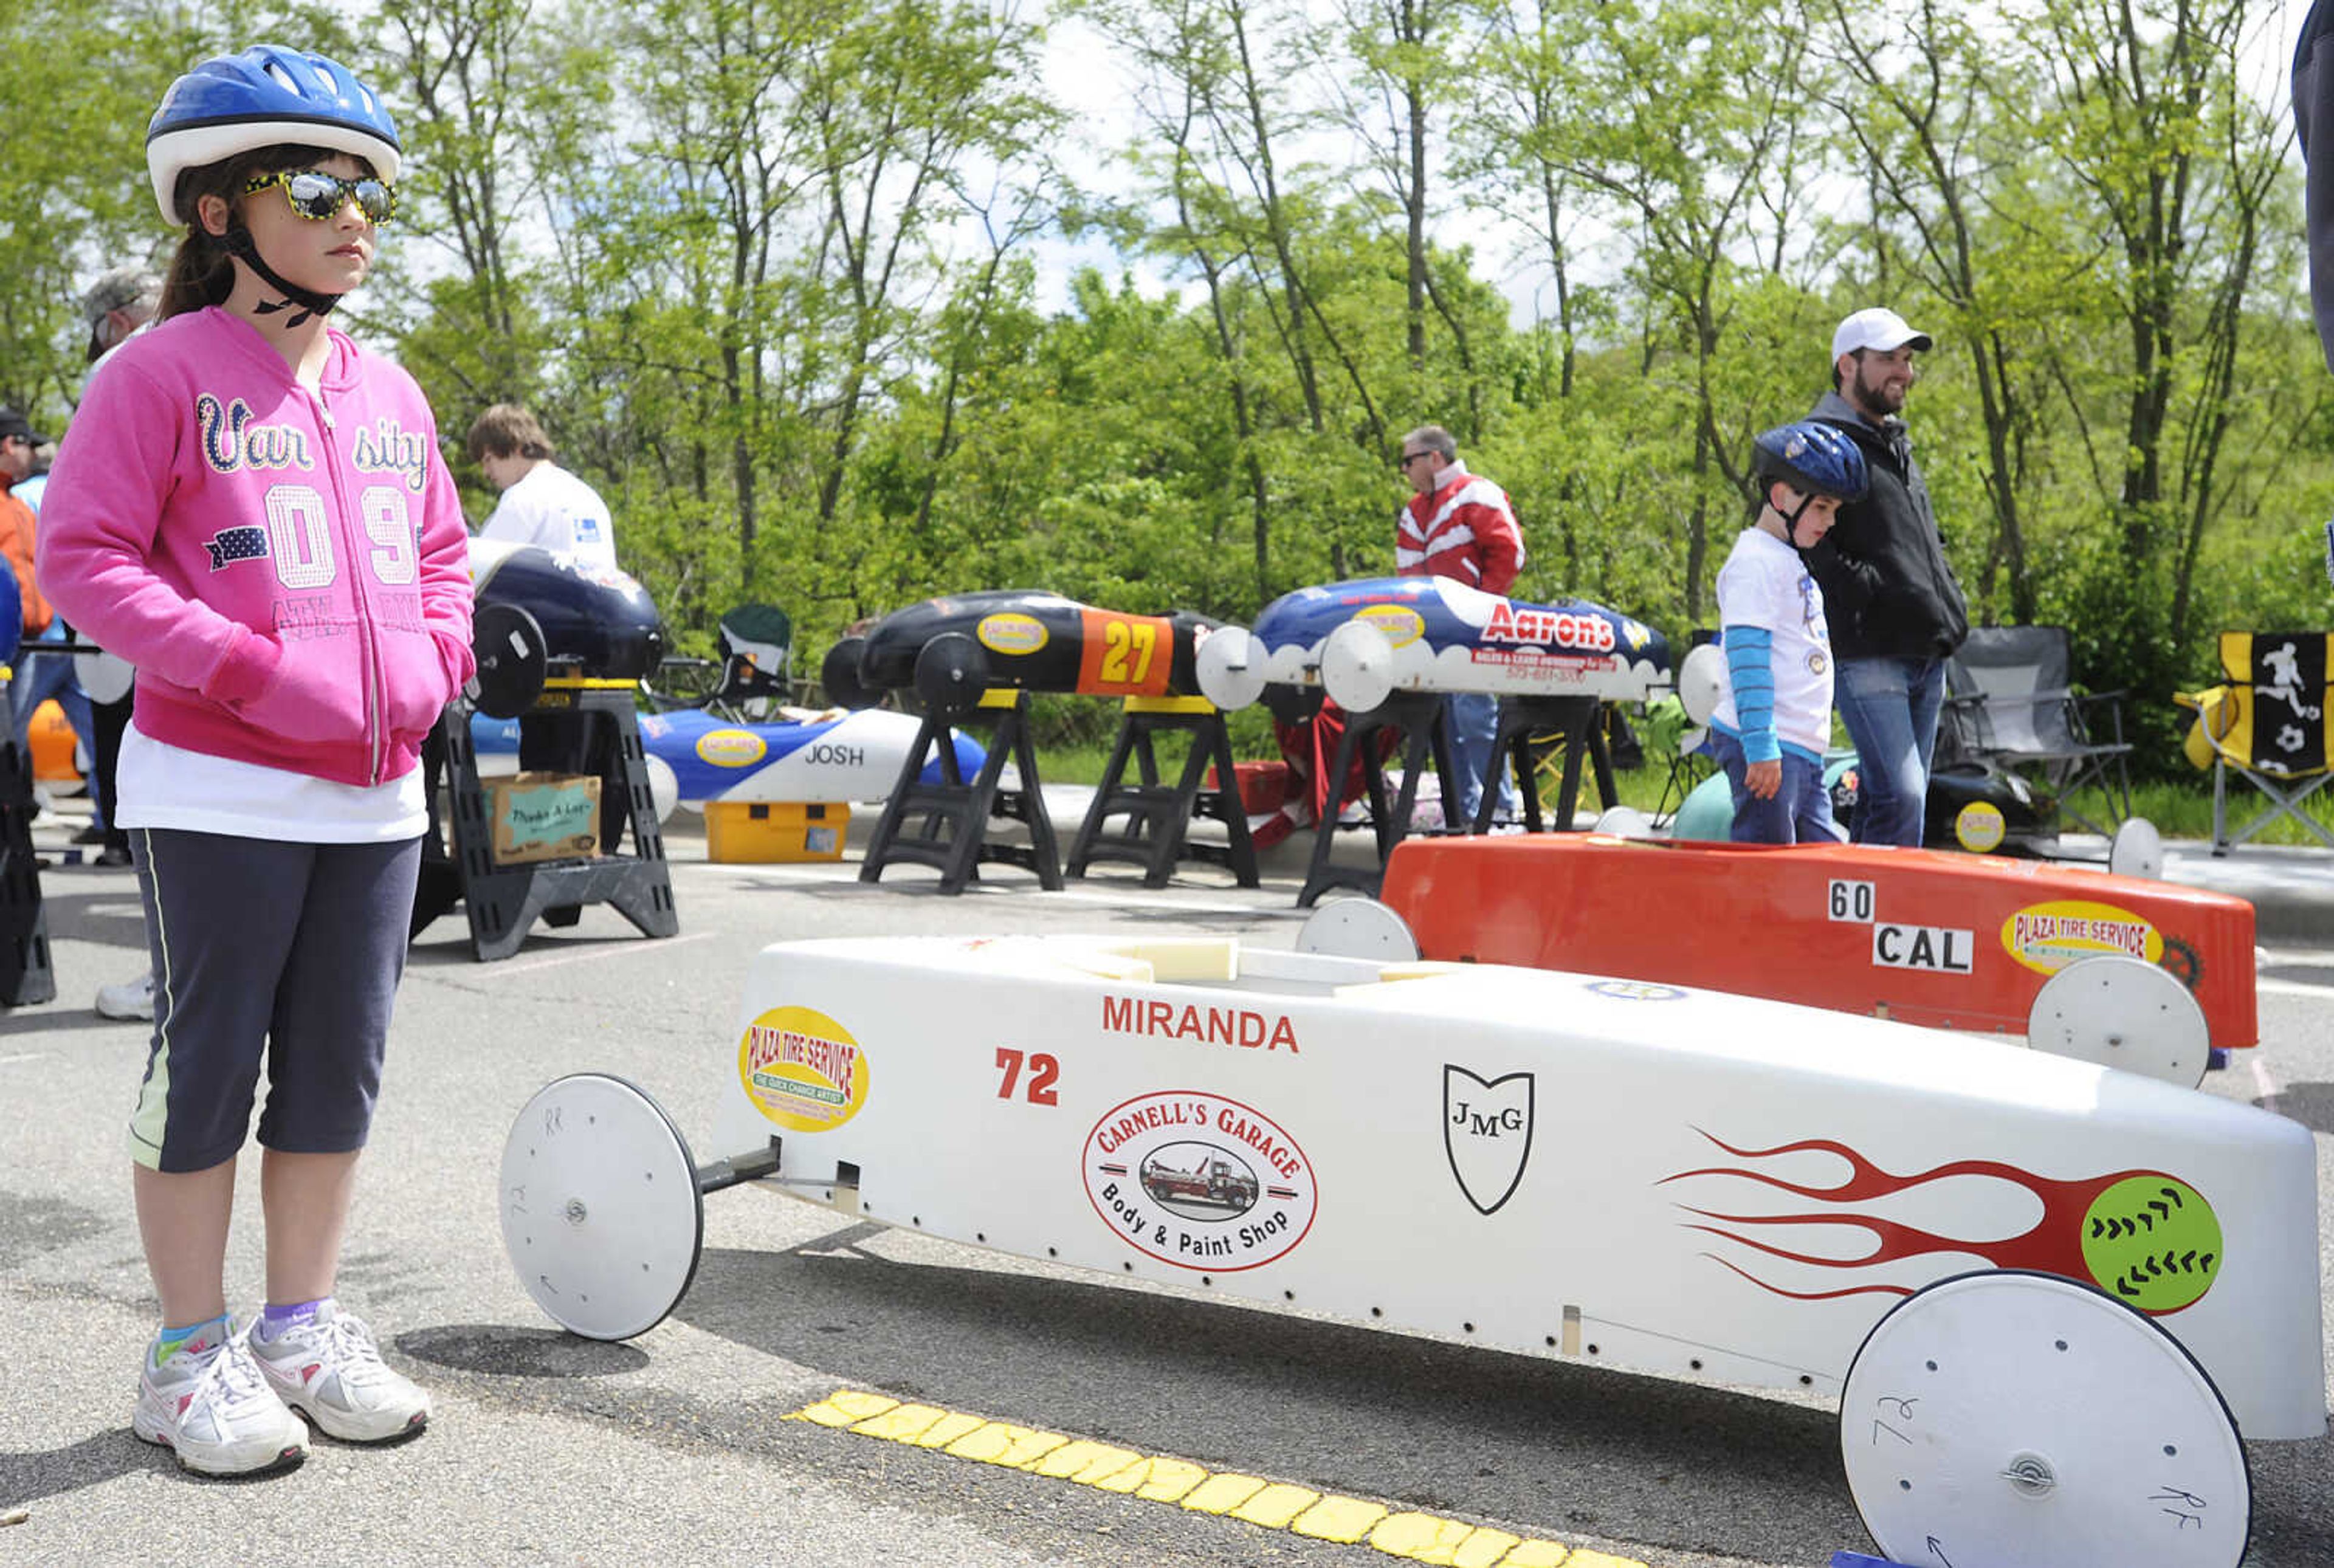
118, 304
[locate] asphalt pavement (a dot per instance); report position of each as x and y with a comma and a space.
2290, 889
678, 1445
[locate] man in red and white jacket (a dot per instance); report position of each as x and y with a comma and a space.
1460, 526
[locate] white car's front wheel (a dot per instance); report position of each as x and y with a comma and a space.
601, 1213
2014, 1420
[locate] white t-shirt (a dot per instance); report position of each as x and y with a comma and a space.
160, 785
551, 508
1765, 583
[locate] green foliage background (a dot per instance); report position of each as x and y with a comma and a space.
776, 278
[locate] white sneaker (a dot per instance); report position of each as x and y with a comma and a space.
130, 1000
329, 1370
209, 1404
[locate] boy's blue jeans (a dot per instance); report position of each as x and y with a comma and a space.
1890, 707
1799, 813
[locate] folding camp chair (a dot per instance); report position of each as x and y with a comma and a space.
758, 650
1683, 744
2008, 707
1682, 747
2268, 723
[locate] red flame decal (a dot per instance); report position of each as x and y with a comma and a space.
2053, 1243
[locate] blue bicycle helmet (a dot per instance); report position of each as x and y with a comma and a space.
265, 95
1813, 458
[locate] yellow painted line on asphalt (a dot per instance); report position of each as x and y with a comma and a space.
1155, 1478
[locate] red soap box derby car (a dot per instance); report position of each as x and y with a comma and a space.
1925, 937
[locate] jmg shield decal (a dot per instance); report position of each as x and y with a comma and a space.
1487, 1130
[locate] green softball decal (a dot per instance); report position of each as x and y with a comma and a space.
2152, 1241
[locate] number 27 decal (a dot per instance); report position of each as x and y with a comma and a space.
1124, 655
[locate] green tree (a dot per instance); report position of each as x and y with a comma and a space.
74, 197
2147, 119
1682, 121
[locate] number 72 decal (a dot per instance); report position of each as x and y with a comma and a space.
1044, 1068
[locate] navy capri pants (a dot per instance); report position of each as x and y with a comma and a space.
285, 954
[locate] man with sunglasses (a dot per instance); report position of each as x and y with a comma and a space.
1458, 525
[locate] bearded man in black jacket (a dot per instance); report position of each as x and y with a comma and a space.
1896, 612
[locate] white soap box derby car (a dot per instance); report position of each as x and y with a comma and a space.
2031, 1281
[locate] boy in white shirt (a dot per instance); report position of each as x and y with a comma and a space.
1773, 718
542, 502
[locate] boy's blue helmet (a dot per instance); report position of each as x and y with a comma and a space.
1812, 457
265, 95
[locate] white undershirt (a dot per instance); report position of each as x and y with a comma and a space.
160, 785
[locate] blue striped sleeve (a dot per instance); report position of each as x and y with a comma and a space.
1749, 667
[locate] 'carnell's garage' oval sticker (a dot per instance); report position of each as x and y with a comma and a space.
1199, 1181
2047, 938
802, 1069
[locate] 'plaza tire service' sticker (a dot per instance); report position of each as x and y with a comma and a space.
1199, 1181
802, 1069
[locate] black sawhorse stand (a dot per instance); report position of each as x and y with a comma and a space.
1579, 720
952, 828
504, 902
1159, 816
26, 976
1418, 717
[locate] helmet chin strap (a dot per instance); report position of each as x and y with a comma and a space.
1791, 518
306, 303
1791, 523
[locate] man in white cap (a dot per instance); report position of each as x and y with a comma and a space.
1896, 611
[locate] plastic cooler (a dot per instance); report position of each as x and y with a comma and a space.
744, 831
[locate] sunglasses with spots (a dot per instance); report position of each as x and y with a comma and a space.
318, 196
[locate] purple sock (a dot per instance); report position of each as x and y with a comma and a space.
274, 1319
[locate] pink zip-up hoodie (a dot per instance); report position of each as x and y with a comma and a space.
288, 570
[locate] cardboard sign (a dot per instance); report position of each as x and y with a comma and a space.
543, 816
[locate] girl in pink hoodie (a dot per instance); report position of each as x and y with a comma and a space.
253, 511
